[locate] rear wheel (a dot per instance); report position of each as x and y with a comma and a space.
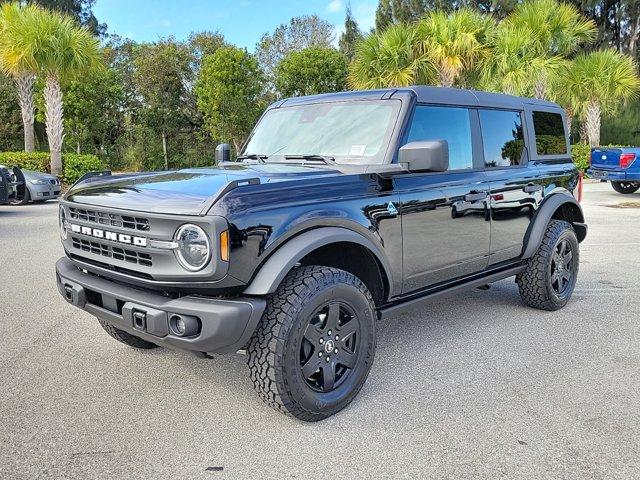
314, 346
625, 187
550, 276
126, 338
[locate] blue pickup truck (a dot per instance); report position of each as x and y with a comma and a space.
619, 165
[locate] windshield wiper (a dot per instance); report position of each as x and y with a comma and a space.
311, 157
254, 156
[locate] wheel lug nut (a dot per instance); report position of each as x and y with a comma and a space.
337, 337
335, 351
328, 359
321, 341
329, 332
320, 354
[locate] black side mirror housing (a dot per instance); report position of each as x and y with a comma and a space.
425, 156
223, 153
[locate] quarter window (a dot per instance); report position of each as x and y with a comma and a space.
445, 123
502, 137
549, 130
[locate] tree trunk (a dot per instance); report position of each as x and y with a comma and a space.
164, 150
592, 123
540, 90
54, 121
24, 84
447, 77
78, 147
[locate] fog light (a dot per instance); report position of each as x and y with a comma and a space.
180, 326
184, 325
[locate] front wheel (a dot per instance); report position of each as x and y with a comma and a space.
625, 187
314, 346
24, 200
549, 277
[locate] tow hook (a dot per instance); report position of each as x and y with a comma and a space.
139, 320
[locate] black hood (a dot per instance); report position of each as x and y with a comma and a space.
182, 192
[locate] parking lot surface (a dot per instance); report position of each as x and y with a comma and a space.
474, 385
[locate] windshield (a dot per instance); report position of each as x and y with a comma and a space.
350, 132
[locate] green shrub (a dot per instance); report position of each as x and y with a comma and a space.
581, 153
74, 166
36, 161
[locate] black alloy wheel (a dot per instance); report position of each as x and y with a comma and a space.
329, 347
562, 267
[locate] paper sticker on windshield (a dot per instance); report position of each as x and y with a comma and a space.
357, 150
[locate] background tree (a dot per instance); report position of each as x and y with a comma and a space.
11, 131
384, 15
350, 36
18, 62
163, 71
600, 82
54, 45
80, 10
514, 62
229, 91
311, 71
300, 33
390, 59
454, 42
94, 113
557, 30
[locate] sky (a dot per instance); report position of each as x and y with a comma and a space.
242, 22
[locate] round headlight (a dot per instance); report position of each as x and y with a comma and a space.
194, 249
62, 220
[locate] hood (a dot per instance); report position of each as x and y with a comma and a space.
30, 175
182, 192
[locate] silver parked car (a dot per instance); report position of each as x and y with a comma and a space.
35, 187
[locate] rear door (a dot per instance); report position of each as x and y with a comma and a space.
445, 217
515, 183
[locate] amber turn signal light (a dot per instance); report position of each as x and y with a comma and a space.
224, 245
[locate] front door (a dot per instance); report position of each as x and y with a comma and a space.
445, 216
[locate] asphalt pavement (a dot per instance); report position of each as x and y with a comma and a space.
471, 386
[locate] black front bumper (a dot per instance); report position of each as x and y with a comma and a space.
226, 324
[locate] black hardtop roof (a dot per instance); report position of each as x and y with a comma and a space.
426, 94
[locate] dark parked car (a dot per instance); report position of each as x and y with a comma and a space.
619, 165
342, 209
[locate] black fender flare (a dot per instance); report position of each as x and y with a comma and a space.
545, 213
278, 265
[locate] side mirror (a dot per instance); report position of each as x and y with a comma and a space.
425, 156
223, 153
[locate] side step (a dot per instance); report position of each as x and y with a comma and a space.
402, 305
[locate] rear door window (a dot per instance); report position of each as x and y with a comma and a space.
502, 138
445, 123
549, 131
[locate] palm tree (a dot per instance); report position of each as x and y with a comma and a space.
454, 42
598, 83
389, 59
555, 29
16, 61
514, 61
62, 50
55, 47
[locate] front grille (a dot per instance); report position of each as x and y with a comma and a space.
111, 251
110, 219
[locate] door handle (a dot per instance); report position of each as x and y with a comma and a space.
532, 188
475, 196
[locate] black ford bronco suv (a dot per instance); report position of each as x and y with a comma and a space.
341, 209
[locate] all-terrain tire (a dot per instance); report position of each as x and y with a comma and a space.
625, 187
536, 281
274, 352
125, 337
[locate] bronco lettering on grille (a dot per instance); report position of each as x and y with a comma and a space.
112, 236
